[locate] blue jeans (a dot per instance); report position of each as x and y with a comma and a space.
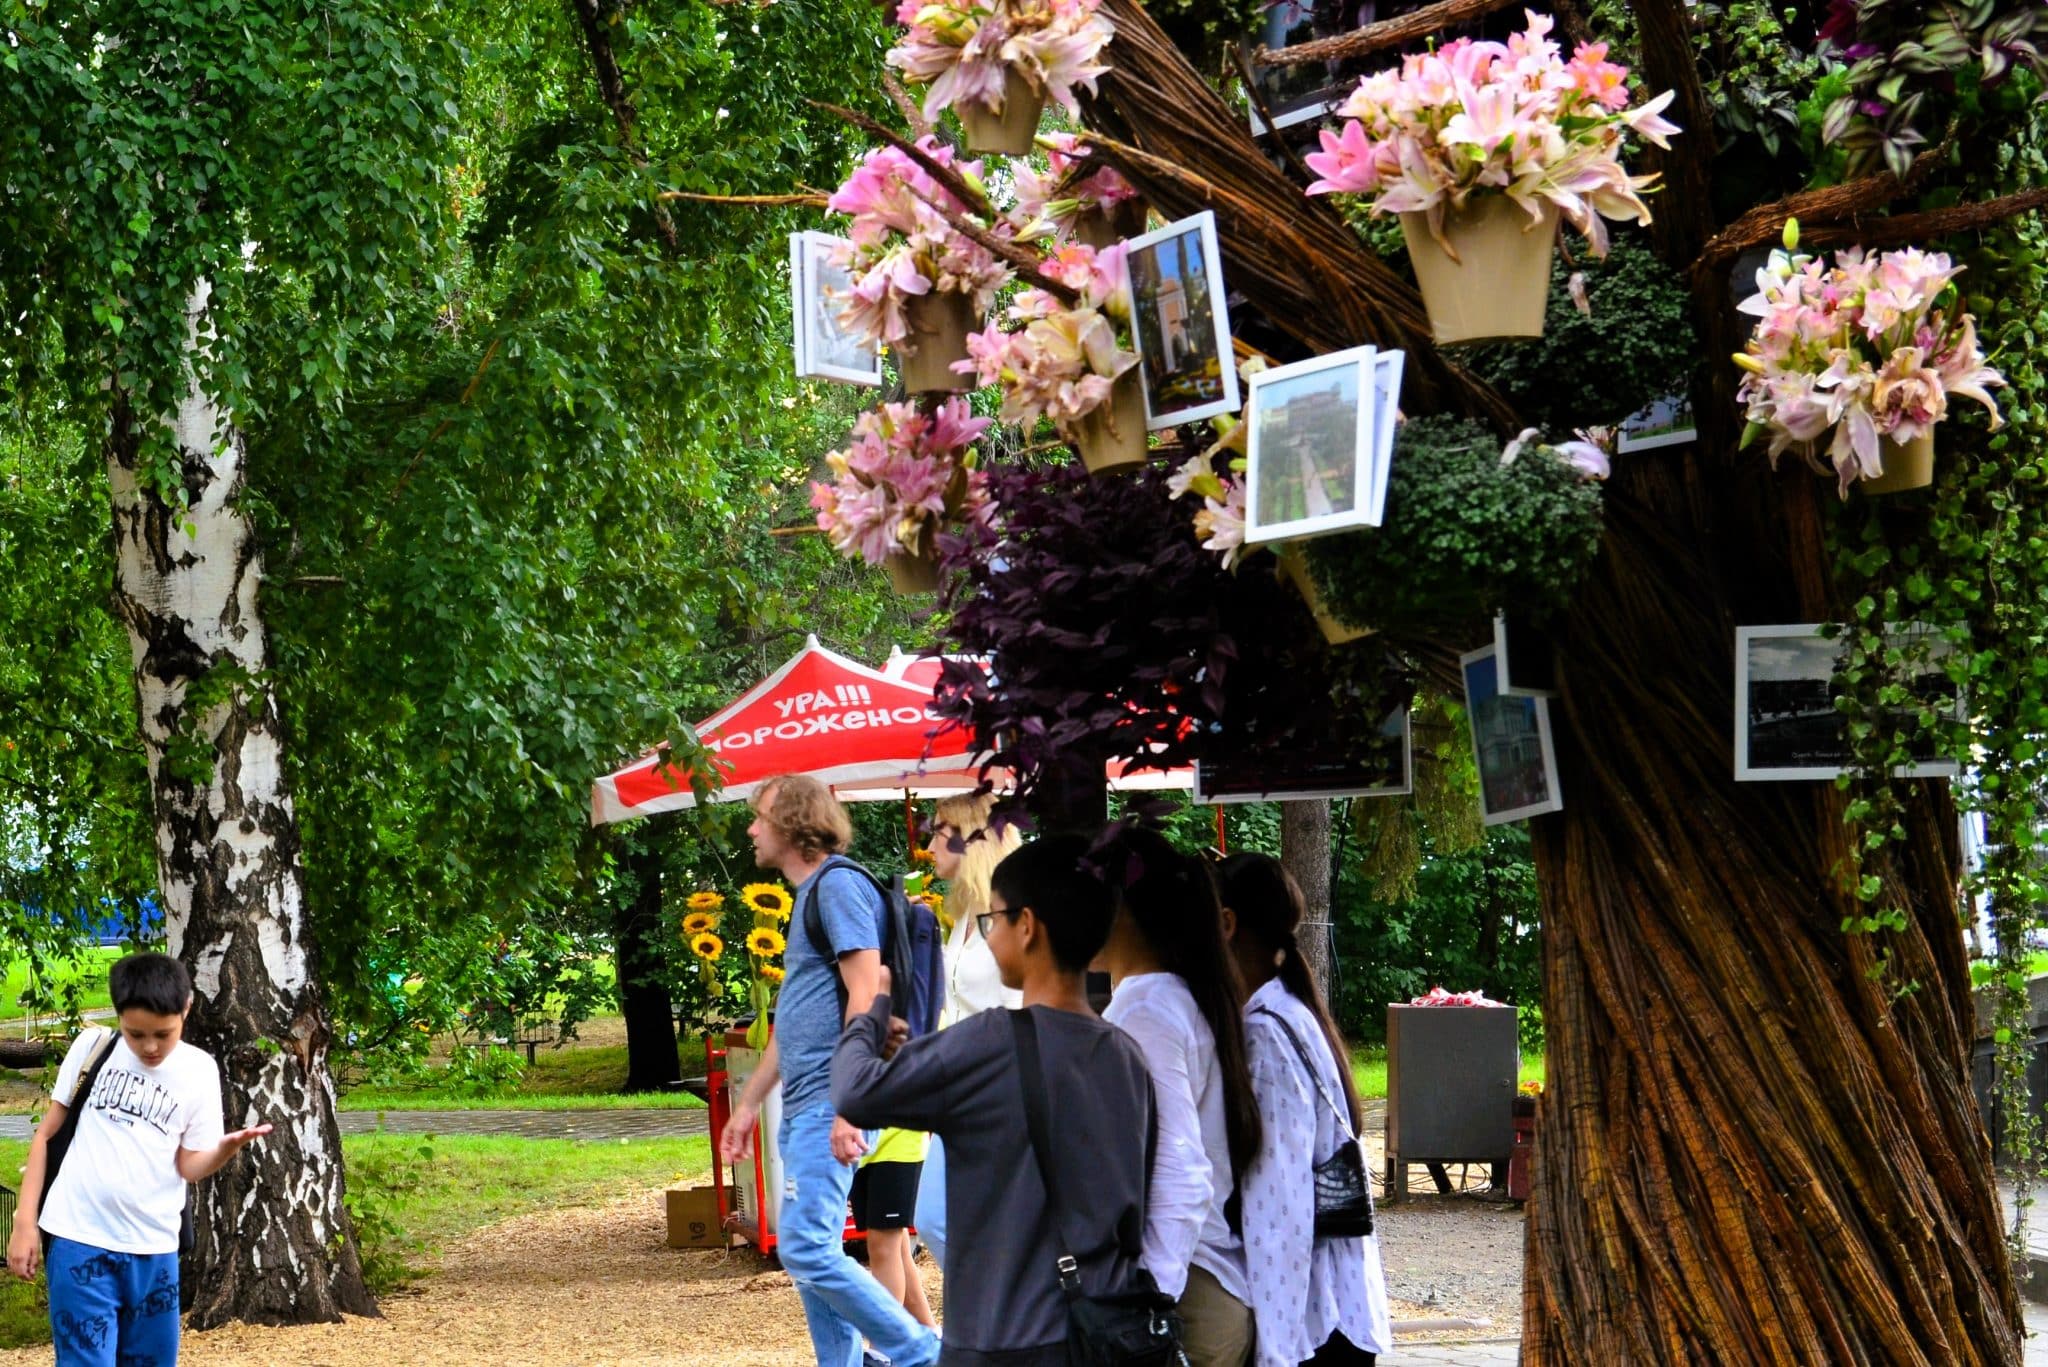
930, 1218
841, 1300
112, 1307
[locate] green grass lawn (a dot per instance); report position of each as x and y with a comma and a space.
1369, 1067
414, 1196
90, 975
575, 1077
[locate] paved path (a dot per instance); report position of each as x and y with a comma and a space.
1489, 1352
623, 1124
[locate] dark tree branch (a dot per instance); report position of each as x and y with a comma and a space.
1385, 34
1684, 215
1830, 204
595, 21
1903, 228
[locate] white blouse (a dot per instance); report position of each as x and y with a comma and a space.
1191, 1180
973, 982
1345, 1288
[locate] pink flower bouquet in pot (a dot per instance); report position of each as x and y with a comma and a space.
919, 284
903, 475
1868, 348
995, 63
1082, 198
1480, 147
1067, 362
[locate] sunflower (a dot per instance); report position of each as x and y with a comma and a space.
707, 947
699, 923
936, 901
771, 973
770, 898
922, 855
765, 943
704, 901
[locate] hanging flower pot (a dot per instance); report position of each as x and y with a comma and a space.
1294, 569
914, 572
1102, 228
1008, 131
1907, 465
939, 323
1497, 286
1111, 435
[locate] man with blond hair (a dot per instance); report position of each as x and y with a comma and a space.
800, 830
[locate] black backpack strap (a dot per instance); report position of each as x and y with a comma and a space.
1031, 1078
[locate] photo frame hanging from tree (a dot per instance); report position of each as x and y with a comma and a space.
823, 349
1787, 727
1317, 452
1180, 323
1387, 771
1512, 742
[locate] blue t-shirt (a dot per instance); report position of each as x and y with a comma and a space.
808, 1018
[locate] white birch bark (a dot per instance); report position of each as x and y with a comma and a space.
273, 1240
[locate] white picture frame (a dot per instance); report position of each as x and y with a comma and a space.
1808, 739
1180, 323
1667, 422
1399, 722
823, 350
1512, 743
1313, 463
1388, 367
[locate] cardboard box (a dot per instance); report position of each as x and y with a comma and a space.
693, 1217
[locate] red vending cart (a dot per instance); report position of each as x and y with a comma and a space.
749, 1202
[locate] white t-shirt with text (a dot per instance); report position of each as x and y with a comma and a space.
119, 1188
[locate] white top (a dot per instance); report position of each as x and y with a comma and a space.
1191, 1177
119, 1188
973, 982
1345, 1288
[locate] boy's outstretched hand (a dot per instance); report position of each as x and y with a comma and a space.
232, 1144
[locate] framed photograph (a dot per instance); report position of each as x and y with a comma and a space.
1527, 660
823, 351
1312, 457
1296, 92
1667, 422
1180, 323
1387, 369
1388, 770
1786, 725
1511, 737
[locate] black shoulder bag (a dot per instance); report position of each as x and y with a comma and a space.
1343, 1195
1135, 1328
60, 1142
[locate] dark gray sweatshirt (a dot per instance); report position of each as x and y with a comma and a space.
1003, 1301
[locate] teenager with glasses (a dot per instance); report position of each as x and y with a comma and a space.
966, 847
1336, 1315
1176, 992
1046, 918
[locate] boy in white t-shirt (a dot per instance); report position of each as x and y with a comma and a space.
151, 1124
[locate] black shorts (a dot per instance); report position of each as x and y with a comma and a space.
885, 1195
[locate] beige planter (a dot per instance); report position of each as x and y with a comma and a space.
1010, 132
1498, 286
1907, 465
939, 324
1111, 437
1102, 231
917, 573
1294, 569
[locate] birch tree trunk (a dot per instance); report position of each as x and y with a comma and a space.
274, 1244
1305, 850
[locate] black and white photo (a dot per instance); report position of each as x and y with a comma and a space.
824, 350
1180, 323
1313, 459
1511, 740
1787, 727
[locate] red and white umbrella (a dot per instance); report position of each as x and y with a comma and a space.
820, 714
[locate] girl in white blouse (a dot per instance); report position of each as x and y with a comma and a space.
1337, 1315
966, 847
1177, 994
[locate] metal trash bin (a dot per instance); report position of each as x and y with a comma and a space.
1451, 1074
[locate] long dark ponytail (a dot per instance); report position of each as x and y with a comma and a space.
1172, 899
1269, 908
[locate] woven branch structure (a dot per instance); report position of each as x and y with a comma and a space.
1752, 1149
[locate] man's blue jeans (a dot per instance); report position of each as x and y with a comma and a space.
841, 1300
931, 1202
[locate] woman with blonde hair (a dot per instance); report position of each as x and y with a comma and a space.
966, 846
